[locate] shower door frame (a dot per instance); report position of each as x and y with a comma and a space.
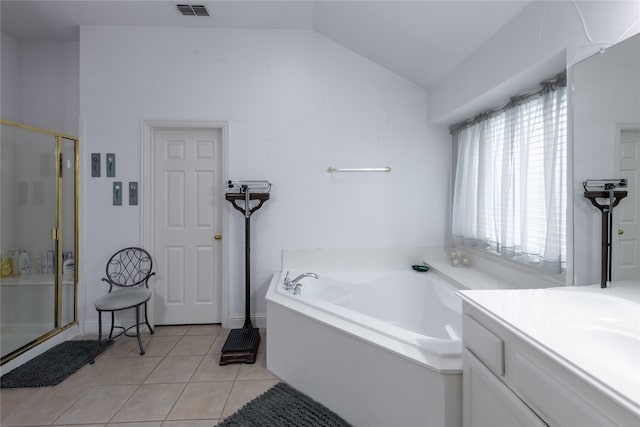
56, 235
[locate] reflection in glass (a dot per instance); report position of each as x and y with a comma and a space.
68, 230
606, 138
37, 207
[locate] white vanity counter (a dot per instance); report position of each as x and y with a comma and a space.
593, 333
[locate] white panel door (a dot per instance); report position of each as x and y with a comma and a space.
187, 208
626, 226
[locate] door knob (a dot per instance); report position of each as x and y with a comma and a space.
218, 236
620, 231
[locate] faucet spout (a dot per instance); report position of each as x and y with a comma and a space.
294, 284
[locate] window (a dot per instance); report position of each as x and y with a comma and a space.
510, 188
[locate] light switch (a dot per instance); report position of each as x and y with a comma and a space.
95, 164
133, 193
111, 165
117, 193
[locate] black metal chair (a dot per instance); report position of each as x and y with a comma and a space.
128, 273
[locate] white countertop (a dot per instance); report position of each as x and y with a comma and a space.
596, 331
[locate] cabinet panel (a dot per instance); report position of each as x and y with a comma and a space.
551, 399
487, 402
486, 345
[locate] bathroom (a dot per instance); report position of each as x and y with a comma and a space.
296, 102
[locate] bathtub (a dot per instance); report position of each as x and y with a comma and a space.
379, 348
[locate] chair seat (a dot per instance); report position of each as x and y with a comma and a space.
123, 298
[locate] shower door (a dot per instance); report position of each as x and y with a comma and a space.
38, 229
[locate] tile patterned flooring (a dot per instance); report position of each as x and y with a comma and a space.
177, 383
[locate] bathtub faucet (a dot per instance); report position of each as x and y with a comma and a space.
294, 284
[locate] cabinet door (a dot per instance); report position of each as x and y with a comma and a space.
487, 402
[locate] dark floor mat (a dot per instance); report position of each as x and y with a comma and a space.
283, 406
54, 365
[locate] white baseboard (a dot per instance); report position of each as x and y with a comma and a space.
236, 321
233, 322
91, 328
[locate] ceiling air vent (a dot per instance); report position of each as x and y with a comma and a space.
193, 10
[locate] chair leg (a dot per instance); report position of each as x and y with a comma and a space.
93, 356
146, 319
113, 317
138, 329
99, 325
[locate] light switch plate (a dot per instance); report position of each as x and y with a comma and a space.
95, 164
133, 193
117, 193
111, 165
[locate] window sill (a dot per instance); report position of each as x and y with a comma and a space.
490, 272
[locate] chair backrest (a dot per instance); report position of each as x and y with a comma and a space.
129, 267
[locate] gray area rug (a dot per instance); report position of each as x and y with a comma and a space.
54, 365
283, 406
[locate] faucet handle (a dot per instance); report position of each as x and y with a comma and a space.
286, 281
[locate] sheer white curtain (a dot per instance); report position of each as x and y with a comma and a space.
510, 181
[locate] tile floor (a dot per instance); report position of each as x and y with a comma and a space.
177, 383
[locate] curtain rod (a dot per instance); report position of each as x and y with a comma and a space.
559, 80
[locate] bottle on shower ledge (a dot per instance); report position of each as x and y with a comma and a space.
24, 263
39, 264
15, 258
68, 265
5, 266
50, 262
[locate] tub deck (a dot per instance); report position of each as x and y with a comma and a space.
365, 346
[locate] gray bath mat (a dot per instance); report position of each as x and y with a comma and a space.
54, 365
283, 406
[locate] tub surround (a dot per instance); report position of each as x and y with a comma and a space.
586, 337
353, 348
413, 316
485, 273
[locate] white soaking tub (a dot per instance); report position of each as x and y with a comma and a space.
379, 348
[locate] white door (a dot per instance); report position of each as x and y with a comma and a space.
626, 226
187, 208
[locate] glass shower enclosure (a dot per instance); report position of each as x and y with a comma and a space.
38, 236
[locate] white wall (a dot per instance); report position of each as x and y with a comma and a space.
9, 78
542, 40
9, 110
544, 35
606, 93
40, 84
296, 103
49, 92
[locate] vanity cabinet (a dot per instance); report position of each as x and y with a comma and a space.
511, 380
487, 402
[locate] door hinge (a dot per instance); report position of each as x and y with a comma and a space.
54, 234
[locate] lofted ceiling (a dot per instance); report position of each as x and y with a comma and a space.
421, 40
